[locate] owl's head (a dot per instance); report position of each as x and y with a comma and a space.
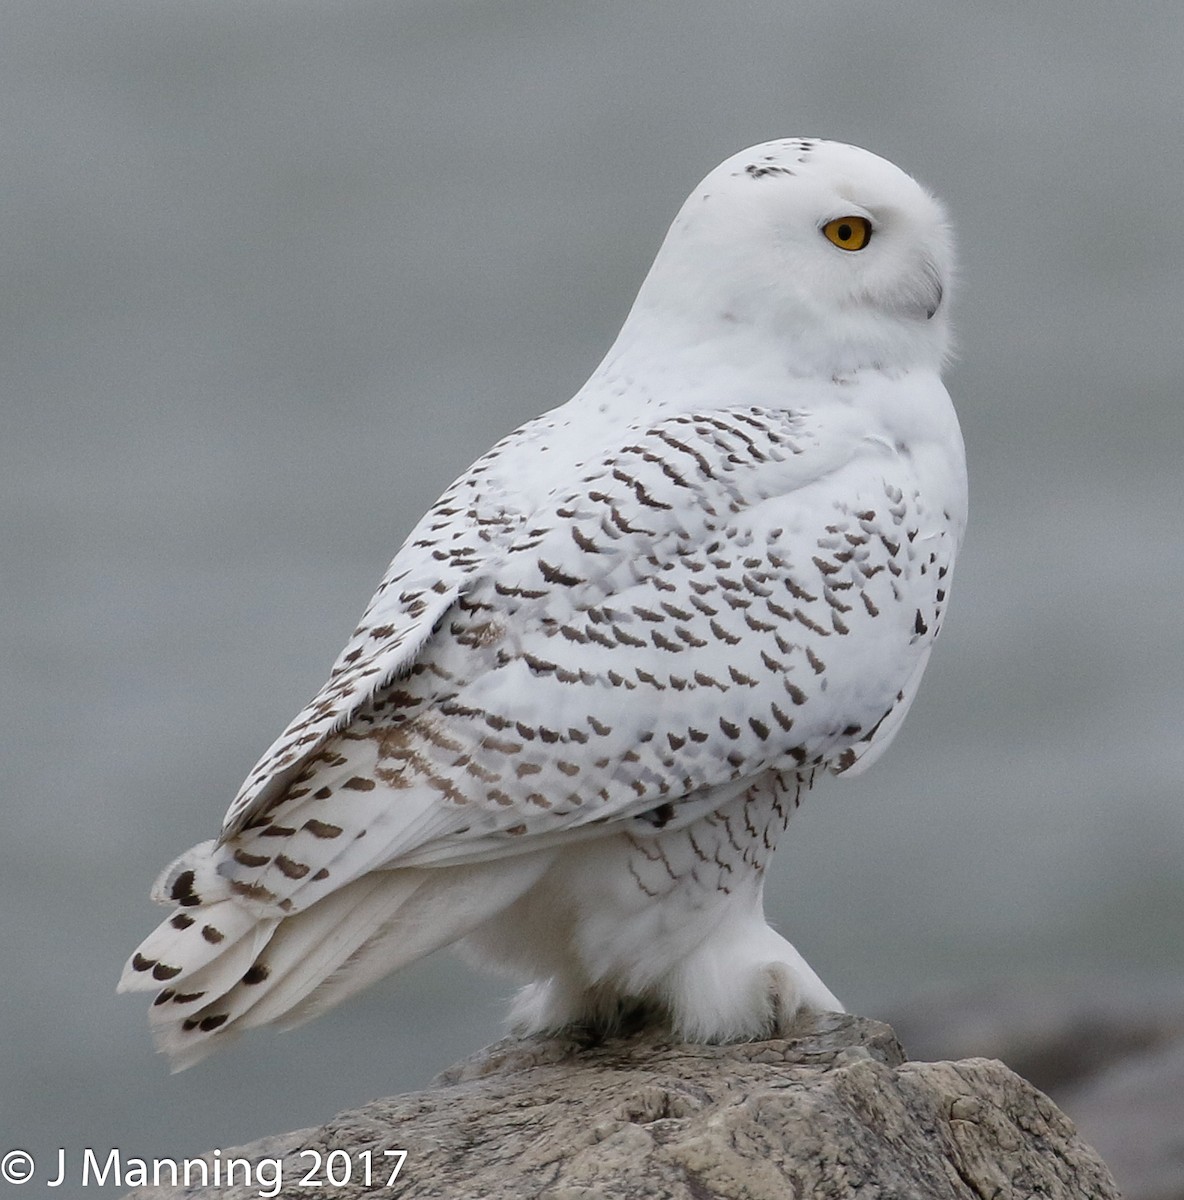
831, 250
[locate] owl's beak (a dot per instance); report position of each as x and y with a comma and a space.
934, 305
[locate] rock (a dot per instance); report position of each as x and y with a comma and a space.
1109, 1051
1136, 1110
831, 1111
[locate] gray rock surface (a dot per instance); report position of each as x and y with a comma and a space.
1110, 1052
831, 1111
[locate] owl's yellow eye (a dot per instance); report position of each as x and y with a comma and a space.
848, 233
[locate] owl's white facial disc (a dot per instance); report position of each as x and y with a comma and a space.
750, 248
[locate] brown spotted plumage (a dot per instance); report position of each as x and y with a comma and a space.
604, 668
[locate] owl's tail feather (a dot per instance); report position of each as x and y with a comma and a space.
257, 969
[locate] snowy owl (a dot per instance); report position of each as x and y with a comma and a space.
604, 668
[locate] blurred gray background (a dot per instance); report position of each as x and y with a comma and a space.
274, 273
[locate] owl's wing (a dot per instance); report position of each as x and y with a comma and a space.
724, 594
436, 563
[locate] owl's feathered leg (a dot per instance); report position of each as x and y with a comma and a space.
669, 921
744, 983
